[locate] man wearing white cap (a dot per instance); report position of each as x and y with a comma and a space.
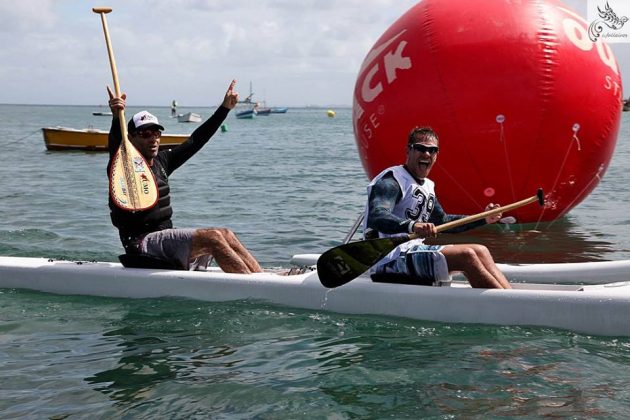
150, 233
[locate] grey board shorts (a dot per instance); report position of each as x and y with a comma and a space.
173, 245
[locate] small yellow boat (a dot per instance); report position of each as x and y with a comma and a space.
90, 139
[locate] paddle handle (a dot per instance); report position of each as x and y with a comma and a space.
102, 11
455, 223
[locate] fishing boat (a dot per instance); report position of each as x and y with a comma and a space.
596, 309
189, 117
63, 138
263, 111
279, 110
102, 113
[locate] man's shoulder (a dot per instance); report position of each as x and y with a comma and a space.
385, 173
386, 184
162, 159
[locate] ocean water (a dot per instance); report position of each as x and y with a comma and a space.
287, 184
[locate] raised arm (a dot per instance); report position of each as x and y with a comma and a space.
115, 105
180, 154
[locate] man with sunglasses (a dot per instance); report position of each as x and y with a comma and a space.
402, 200
150, 233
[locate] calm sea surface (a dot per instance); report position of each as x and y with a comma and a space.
287, 184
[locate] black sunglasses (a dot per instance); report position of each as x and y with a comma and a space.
149, 132
423, 149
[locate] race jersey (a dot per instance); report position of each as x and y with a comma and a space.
417, 203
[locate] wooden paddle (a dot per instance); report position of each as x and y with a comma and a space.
344, 263
132, 185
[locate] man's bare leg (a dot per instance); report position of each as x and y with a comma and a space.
465, 258
240, 249
223, 245
486, 258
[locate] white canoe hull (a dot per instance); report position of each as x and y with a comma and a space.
591, 309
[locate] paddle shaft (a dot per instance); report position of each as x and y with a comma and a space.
102, 11
125, 144
483, 215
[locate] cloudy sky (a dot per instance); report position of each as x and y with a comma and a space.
295, 52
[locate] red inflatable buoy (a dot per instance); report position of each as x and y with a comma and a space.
519, 95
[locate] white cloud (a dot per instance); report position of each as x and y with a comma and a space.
295, 52
26, 15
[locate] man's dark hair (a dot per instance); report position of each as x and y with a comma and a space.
422, 134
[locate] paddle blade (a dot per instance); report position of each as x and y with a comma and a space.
344, 263
132, 185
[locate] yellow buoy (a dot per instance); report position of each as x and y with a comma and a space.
330, 113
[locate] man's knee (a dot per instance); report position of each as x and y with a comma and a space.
228, 235
470, 254
210, 236
461, 257
479, 249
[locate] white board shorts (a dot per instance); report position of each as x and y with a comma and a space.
420, 261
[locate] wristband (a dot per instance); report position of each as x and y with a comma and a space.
410, 227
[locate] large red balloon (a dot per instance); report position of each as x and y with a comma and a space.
518, 94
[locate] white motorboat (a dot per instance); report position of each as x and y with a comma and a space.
190, 117
597, 309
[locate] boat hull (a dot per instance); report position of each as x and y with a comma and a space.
246, 114
591, 309
62, 138
189, 117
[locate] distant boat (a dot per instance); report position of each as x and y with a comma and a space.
248, 99
246, 114
102, 113
189, 117
260, 108
90, 139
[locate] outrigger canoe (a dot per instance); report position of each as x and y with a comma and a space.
597, 309
90, 139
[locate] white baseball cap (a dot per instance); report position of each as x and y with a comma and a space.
143, 120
